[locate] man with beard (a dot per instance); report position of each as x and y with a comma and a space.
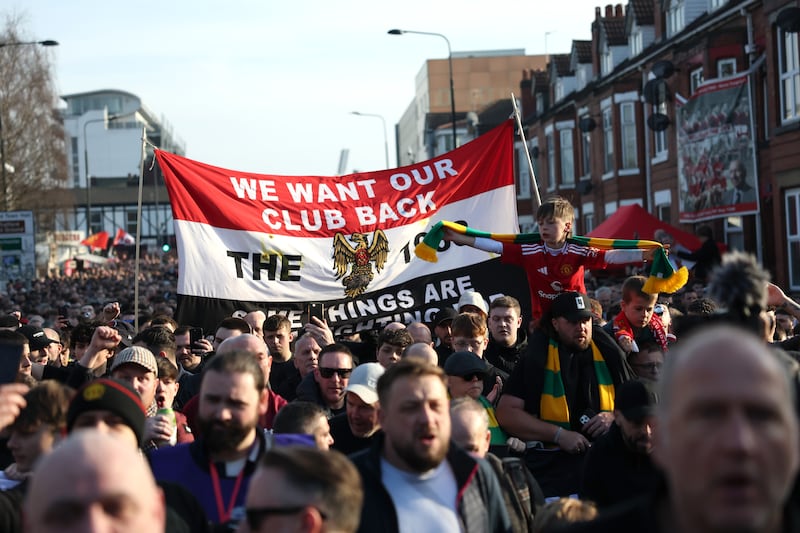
561, 393
618, 466
354, 430
217, 466
413, 479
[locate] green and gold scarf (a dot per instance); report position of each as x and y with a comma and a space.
663, 277
553, 406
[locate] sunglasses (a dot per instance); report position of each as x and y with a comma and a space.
328, 373
256, 515
472, 376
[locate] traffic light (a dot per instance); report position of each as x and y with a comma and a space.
165, 247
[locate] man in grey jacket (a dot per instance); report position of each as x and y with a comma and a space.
414, 480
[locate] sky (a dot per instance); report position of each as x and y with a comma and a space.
268, 86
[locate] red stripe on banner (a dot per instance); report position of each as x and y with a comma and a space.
319, 206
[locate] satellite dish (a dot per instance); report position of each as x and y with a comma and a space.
587, 124
658, 122
472, 118
789, 19
663, 69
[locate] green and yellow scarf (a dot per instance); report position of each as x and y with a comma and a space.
553, 406
663, 277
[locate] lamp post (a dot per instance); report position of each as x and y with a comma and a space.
48, 42
385, 137
449, 64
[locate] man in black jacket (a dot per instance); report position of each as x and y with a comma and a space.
413, 479
507, 340
561, 393
618, 466
726, 438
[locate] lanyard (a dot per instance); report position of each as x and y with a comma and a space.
224, 515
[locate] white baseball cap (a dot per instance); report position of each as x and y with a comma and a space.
364, 382
473, 298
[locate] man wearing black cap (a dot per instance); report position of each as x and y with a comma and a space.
442, 321
465, 376
618, 466
38, 342
561, 394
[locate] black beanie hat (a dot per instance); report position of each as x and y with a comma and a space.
107, 394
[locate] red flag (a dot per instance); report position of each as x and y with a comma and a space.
124, 238
96, 241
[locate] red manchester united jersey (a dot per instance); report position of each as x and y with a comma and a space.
550, 274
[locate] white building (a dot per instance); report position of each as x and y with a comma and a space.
103, 132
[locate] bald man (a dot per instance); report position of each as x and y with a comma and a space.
93, 482
726, 437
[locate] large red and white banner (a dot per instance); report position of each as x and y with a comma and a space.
248, 241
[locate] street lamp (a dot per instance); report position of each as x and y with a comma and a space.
106, 119
450, 65
48, 42
385, 138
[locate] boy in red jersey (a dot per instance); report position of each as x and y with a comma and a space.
553, 265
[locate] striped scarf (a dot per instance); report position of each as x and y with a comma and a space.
553, 406
623, 328
663, 277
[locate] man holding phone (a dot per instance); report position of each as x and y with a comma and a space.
191, 347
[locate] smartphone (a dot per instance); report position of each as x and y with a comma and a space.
10, 355
63, 311
195, 334
316, 309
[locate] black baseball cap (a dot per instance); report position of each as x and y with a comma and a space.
446, 313
464, 363
573, 306
36, 337
635, 400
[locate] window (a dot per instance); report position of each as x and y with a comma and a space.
628, 128
695, 79
660, 137
716, 4
636, 41
608, 142
726, 67
551, 162
588, 222
567, 158
789, 66
559, 90
130, 222
586, 153
95, 222
675, 17
76, 172
793, 236
663, 212
607, 59
734, 234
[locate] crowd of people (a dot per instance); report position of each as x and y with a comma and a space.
612, 409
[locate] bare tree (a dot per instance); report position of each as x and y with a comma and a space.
32, 133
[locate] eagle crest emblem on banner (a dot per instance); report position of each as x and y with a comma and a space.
360, 257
